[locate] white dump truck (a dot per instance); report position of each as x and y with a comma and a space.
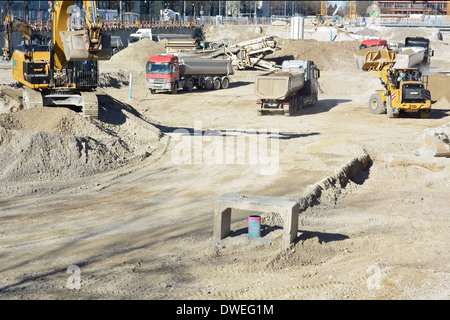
289, 89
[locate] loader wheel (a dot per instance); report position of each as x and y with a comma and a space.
376, 104
424, 114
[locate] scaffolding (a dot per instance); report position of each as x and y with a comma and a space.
352, 13
323, 8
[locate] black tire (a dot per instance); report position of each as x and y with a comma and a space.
376, 104
174, 88
424, 114
288, 109
189, 85
208, 83
300, 104
225, 82
217, 84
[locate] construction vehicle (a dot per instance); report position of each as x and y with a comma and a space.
290, 89
249, 54
420, 42
181, 43
321, 20
13, 23
64, 72
168, 72
139, 35
169, 15
400, 73
373, 43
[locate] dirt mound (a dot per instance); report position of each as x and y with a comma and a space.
234, 33
10, 99
326, 55
438, 85
48, 144
136, 55
131, 60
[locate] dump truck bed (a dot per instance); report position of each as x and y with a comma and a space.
278, 85
197, 66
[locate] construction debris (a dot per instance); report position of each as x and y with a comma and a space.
436, 142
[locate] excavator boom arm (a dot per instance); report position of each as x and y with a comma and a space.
78, 45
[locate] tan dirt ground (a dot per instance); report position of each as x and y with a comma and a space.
374, 222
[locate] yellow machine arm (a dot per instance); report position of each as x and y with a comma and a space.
22, 26
15, 24
88, 44
94, 27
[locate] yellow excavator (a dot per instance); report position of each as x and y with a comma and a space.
401, 75
64, 72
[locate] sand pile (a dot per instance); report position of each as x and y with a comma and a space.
136, 55
49, 144
10, 99
438, 85
326, 55
235, 33
132, 59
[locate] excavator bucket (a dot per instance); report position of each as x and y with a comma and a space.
436, 142
76, 48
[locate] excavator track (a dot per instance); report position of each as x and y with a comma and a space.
90, 105
31, 98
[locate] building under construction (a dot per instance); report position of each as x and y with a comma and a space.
406, 8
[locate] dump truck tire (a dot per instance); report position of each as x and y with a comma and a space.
376, 104
174, 88
217, 83
225, 82
189, 85
208, 83
288, 109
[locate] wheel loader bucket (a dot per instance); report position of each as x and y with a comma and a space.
436, 142
75, 47
373, 58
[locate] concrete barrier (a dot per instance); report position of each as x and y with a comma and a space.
287, 208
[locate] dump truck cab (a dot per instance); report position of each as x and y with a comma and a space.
162, 72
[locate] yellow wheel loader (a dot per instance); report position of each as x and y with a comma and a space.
64, 72
400, 73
